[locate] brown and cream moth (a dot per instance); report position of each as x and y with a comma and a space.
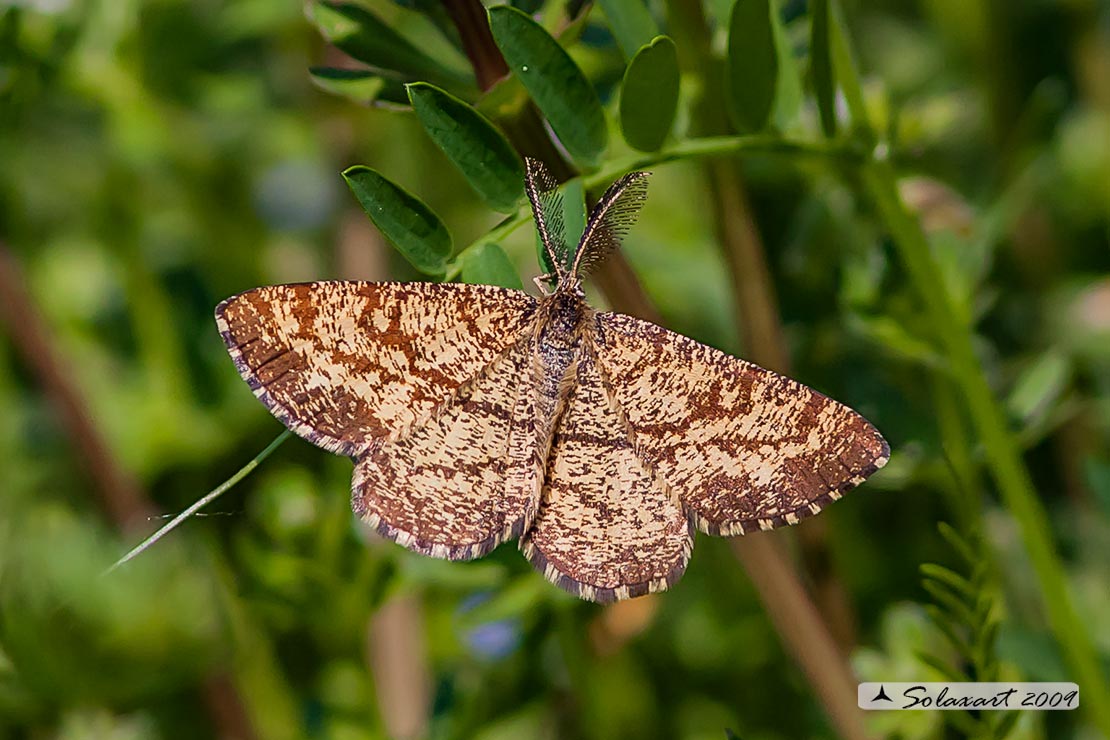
477, 414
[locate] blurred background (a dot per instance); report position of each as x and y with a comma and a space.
158, 156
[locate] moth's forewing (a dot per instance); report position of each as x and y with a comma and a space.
345, 364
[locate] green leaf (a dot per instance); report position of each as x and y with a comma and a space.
358, 85
631, 24
949, 602
752, 68
472, 143
487, 264
649, 95
820, 65
788, 84
938, 665
966, 550
369, 39
946, 575
950, 630
403, 219
556, 84
1039, 386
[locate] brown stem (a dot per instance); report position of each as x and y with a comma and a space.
623, 289
118, 493
796, 618
396, 654
758, 317
469, 17
225, 707
523, 127
803, 632
756, 312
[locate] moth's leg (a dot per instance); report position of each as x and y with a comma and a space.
546, 283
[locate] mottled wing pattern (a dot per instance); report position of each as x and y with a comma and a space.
348, 364
469, 478
605, 529
742, 447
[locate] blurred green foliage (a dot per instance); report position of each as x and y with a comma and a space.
158, 156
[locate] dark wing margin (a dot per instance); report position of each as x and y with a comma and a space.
347, 365
609, 222
547, 210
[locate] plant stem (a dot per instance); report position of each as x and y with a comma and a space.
204, 500
1000, 446
469, 18
716, 146
705, 146
403, 684
756, 308
120, 495
804, 635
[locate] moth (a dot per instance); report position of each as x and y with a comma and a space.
477, 414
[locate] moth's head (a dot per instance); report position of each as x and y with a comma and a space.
570, 284
609, 221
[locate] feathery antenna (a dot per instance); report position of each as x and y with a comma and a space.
547, 209
610, 221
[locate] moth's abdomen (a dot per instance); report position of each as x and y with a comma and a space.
555, 352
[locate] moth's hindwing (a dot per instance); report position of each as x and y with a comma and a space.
744, 448
469, 478
606, 529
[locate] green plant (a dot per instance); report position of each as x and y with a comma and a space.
160, 155
966, 609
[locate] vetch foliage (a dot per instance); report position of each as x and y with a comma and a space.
920, 219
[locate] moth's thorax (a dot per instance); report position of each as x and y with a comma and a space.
561, 317
557, 342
